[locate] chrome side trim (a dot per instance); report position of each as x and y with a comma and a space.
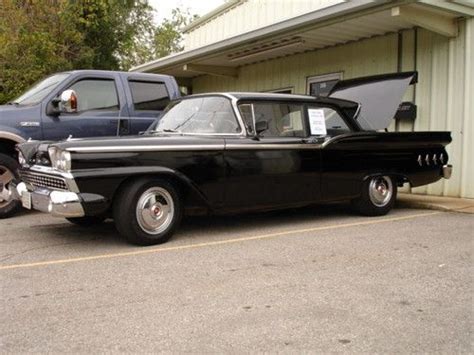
148, 148
263, 146
12, 136
29, 124
212, 147
356, 114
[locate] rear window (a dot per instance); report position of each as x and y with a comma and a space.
330, 121
148, 95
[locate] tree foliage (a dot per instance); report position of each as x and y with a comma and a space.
40, 37
35, 41
119, 32
168, 35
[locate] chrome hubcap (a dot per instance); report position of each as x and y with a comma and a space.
155, 210
380, 190
6, 176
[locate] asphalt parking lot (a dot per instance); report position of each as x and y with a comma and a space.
315, 279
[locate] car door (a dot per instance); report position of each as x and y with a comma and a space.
148, 99
98, 109
279, 168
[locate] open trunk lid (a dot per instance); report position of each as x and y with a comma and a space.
379, 96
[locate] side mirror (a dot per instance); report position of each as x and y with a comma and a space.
69, 101
260, 127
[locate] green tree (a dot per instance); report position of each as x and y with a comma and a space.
168, 35
37, 38
118, 31
40, 37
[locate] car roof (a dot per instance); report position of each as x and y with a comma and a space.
270, 96
278, 97
257, 96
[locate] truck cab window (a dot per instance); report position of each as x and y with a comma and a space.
96, 94
148, 95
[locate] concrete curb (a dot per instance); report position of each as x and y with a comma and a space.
450, 204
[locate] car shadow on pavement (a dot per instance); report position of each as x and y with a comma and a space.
194, 227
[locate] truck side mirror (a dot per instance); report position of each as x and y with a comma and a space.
69, 101
66, 102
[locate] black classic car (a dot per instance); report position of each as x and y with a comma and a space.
231, 152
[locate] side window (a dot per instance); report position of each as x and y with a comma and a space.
96, 94
148, 95
284, 120
335, 124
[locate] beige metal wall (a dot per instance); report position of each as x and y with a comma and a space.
444, 96
250, 15
444, 93
372, 56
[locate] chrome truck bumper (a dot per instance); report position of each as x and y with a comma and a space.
56, 203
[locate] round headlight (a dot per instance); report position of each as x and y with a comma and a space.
60, 159
21, 158
64, 161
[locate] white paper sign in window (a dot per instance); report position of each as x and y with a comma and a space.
317, 122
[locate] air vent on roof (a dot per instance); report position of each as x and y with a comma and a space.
265, 48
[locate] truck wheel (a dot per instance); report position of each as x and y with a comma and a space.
377, 197
8, 172
147, 211
86, 221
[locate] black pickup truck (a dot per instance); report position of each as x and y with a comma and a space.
82, 103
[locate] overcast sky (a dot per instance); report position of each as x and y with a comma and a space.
163, 7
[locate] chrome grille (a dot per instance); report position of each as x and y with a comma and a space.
42, 180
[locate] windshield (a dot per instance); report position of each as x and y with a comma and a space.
208, 115
40, 90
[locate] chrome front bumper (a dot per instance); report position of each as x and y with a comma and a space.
54, 202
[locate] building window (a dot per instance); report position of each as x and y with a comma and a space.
282, 91
320, 85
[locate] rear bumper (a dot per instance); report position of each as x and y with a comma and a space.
447, 171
